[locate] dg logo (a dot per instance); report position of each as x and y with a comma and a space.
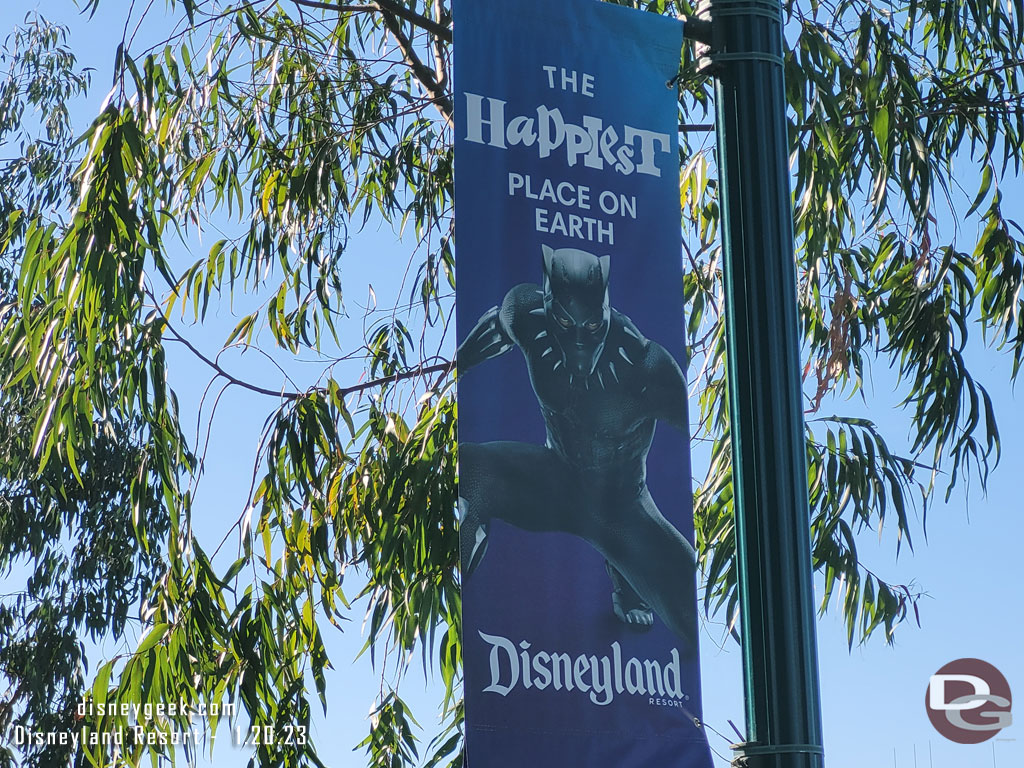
968, 701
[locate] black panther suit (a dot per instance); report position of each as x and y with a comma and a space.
601, 387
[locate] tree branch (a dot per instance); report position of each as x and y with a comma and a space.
422, 370
440, 71
229, 377
386, 6
422, 72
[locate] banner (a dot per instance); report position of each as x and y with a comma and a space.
579, 589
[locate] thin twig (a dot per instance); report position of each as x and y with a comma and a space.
445, 367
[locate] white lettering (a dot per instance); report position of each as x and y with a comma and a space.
476, 121
636, 151
635, 677
540, 669
561, 666
498, 645
652, 671
551, 129
569, 80
647, 142
937, 692
588, 86
520, 131
674, 677
580, 667
599, 677
574, 225
526, 664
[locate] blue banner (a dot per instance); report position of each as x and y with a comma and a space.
575, 498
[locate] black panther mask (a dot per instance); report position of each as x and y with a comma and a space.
576, 305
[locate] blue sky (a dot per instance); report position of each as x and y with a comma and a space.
970, 565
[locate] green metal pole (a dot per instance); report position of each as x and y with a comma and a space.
769, 472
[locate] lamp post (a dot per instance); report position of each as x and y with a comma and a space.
780, 669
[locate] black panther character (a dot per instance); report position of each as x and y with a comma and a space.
601, 387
